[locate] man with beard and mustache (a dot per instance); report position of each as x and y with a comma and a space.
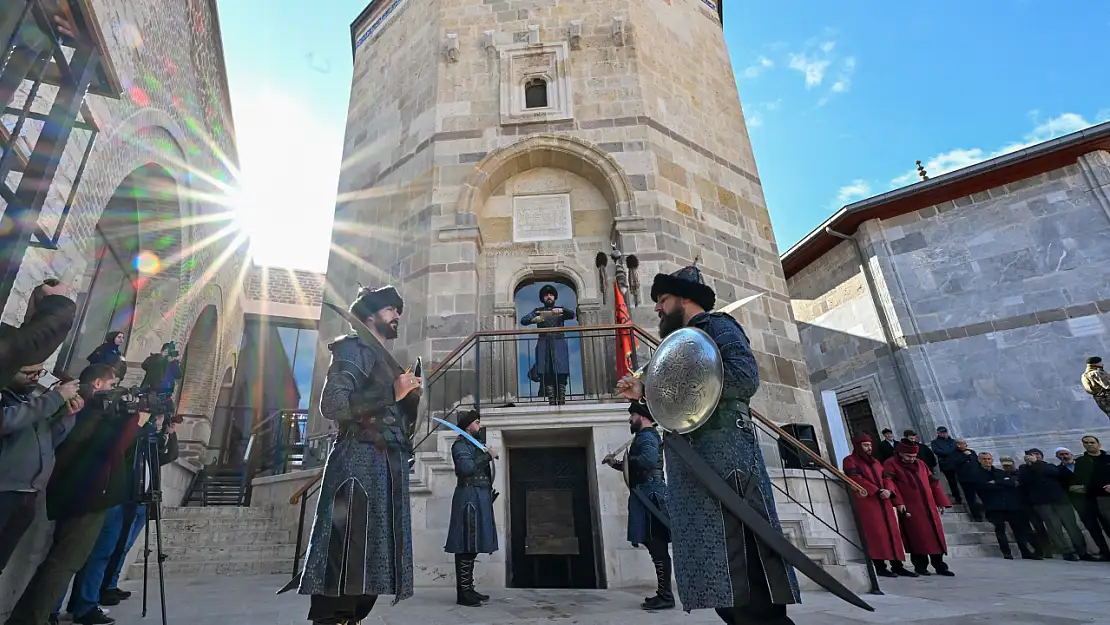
875, 511
645, 474
720, 563
552, 367
361, 541
920, 500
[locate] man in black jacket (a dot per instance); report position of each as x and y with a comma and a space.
1043, 485
1003, 503
885, 448
944, 446
1097, 463
924, 454
967, 468
81, 490
48, 320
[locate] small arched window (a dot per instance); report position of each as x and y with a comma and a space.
535, 94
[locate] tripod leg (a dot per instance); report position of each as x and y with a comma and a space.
146, 558
161, 556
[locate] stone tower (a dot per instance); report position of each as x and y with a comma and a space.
455, 189
494, 144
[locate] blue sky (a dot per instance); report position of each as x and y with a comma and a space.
841, 98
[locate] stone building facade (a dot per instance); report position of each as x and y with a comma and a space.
970, 300
492, 146
165, 149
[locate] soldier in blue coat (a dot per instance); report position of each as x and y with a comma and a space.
720, 563
472, 530
552, 367
645, 474
361, 541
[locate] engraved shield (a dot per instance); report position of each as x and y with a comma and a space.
684, 380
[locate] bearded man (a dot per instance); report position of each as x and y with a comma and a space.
719, 562
920, 501
361, 542
878, 523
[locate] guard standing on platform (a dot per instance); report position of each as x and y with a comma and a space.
361, 541
472, 529
643, 467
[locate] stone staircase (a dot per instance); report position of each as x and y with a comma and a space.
967, 538
223, 540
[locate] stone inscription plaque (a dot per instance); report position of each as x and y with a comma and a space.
542, 218
549, 519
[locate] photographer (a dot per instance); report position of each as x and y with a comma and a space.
163, 370
48, 320
31, 427
80, 492
134, 515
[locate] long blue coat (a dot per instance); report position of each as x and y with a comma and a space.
704, 534
645, 460
552, 357
365, 488
472, 528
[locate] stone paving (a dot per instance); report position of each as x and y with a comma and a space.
984, 590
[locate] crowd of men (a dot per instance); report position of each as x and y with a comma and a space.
1042, 503
75, 446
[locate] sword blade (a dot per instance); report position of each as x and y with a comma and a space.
464, 433
738, 303
751, 519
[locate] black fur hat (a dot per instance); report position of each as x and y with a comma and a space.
466, 418
641, 409
370, 301
686, 283
547, 288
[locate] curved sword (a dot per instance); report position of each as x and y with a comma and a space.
463, 432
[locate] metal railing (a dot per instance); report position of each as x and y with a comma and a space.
487, 371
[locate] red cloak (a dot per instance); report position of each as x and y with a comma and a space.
917, 489
878, 521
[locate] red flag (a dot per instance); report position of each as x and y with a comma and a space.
624, 337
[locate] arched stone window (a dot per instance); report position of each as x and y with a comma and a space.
535, 93
549, 366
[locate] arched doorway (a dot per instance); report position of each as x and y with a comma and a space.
549, 365
131, 282
198, 364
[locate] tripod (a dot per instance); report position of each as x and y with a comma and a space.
150, 492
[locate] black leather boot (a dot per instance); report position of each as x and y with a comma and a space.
664, 597
464, 583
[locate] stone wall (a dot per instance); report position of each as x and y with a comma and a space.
174, 119
994, 300
842, 337
278, 285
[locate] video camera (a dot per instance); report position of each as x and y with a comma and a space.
129, 402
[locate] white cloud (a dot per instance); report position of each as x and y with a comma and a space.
813, 68
1102, 116
754, 119
959, 158
828, 46
757, 68
773, 105
857, 190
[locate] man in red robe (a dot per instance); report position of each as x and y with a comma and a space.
878, 524
920, 501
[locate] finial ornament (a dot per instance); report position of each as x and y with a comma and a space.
921, 171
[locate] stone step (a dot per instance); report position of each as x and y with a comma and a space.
228, 512
199, 525
228, 553
982, 550
176, 570
970, 538
221, 537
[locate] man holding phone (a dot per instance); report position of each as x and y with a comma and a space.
32, 426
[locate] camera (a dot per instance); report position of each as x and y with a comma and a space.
171, 350
129, 402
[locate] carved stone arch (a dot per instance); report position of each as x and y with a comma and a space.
548, 150
538, 273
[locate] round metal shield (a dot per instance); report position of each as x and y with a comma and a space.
625, 469
684, 380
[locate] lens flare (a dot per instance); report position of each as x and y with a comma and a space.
147, 263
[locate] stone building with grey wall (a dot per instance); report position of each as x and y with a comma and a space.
139, 240
492, 148
969, 300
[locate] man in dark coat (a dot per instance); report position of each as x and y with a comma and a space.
552, 367
965, 463
361, 541
719, 563
48, 320
944, 446
1043, 486
645, 475
1077, 474
1096, 465
924, 454
885, 448
472, 529
920, 501
163, 370
1003, 504
875, 511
